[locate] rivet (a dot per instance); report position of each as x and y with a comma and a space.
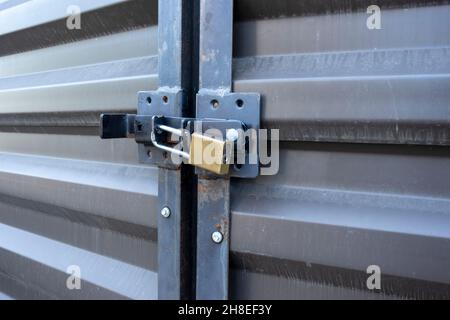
165, 212
232, 135
217, 237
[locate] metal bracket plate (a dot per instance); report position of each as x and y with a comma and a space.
170, 103
245, 107
167, 102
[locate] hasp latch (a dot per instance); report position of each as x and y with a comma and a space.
222, 146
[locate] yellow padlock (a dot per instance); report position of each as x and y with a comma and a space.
209, 154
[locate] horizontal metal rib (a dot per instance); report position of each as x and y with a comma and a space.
329, 78
263, 9
89, 187
34, 255
335, 209
118, 17
254, 272
127, 242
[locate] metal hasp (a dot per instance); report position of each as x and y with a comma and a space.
167, 141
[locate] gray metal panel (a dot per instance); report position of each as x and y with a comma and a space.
339, 209
309, 232
335, 208
40, 24
85, 52
328, 77
22, 253
24, 14
67, 198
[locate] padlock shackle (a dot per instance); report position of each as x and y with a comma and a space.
177, 132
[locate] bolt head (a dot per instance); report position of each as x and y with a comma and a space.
165, 212
232, 135
217, 237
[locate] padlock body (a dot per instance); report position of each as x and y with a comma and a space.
208, 153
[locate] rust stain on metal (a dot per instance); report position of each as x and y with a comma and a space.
225, 228
211, 190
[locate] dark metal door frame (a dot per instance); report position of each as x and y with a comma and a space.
177, 185
216, 49
195, 54
177, 46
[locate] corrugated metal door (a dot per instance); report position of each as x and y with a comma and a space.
364, 168
364, 163
66, 197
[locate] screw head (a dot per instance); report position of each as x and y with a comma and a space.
165, 212
217, 237
232, 135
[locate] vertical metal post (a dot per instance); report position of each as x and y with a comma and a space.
176, 192
216, 48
